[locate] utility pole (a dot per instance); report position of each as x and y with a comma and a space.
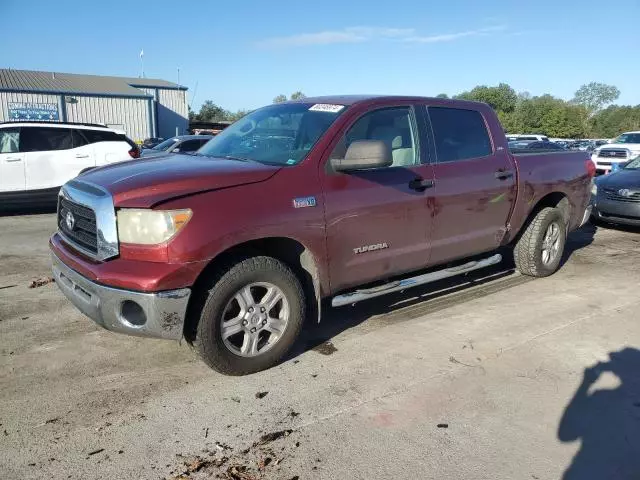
178, 76
142, 63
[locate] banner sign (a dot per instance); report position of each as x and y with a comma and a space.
33, 111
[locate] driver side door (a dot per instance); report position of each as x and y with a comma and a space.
377, 220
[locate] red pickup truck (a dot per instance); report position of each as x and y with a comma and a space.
346, 197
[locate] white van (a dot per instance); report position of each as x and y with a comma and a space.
37, 158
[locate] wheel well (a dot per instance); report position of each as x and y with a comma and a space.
553, 200
291, 252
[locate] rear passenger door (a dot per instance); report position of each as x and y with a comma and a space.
49, 158
474, 184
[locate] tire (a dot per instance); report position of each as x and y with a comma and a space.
529, 253
224, 292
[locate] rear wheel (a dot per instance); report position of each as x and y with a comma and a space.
251, 317
539, 250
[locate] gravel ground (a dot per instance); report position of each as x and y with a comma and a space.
493, 377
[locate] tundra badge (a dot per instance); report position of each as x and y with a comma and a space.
302, 202
370, 248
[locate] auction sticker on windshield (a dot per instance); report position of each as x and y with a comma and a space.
326, 107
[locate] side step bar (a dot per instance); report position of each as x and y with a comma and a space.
359, 295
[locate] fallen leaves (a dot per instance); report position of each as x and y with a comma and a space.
42, 281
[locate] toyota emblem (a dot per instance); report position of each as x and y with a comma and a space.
625, 192
70, 220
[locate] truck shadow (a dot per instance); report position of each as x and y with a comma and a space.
30, 210
424, 300
606, 421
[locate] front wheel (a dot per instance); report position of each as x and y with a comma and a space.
539, 250
252, 316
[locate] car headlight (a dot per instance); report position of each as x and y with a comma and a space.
150, 227
594, 189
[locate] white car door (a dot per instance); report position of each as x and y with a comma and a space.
12, 171
50, 157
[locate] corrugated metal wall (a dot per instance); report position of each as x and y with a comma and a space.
130, 114
6, 97
172, 112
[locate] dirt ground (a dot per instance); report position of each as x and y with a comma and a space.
494, 376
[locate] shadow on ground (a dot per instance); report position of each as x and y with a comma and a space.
427, 299
30, 210
606, 421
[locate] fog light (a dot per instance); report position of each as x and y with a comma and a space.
133, 313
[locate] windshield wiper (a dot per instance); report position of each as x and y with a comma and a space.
231, 157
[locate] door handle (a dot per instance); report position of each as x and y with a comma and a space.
80, 155
420, 184
504, 174
13, 159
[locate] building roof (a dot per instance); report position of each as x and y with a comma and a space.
73, 83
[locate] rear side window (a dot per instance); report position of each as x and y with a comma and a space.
78, 139
190, 145
95, 136
43, 139
459, 134
9, 140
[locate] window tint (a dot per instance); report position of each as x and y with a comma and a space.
203, 141
459, 134
95, 136
189, 145
78, 139
43, 139
9, 140
392, 126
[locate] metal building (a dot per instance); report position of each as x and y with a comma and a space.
142, 107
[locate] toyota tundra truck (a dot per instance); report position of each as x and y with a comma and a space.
344, 198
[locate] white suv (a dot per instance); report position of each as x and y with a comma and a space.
618, 152
36, 159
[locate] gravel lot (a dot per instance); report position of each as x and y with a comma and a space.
477, 379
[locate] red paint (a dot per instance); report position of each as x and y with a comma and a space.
469, 210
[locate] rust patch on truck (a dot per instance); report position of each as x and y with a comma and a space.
169, 320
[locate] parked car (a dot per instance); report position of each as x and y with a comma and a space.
538, 138
37, 158
354, 197
181, 143
152, 142
534, 145
616, 197
619, 151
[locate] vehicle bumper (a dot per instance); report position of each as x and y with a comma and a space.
587, 214
157, 315
624, 213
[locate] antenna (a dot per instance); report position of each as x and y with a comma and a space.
195, 90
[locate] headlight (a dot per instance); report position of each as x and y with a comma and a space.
150, 227
594, 189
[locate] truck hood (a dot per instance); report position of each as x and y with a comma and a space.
144, 183
633, 147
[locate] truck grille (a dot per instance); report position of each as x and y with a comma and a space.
611, 194
612, 153
78, 224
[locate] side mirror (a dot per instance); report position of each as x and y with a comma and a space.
364, 155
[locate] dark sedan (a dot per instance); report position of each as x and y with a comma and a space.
616, 197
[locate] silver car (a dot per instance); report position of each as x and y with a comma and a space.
179, 144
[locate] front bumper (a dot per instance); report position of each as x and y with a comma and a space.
611, 211
157, 315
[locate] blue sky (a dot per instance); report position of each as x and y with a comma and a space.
242, 54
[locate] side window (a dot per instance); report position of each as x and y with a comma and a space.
202, 142
95, 136
78, 139
9, 140
43, 139
391, 125
459, 134
189, 145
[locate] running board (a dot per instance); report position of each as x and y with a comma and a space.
365, 294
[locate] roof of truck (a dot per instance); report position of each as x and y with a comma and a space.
353, 99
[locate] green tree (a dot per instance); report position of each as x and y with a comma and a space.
442, 95
210, 112
280, 98
297, 95
614, 120
502, 98
594, 96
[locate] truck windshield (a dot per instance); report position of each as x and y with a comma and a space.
165, 145
280, 134
628, 138
633, 164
